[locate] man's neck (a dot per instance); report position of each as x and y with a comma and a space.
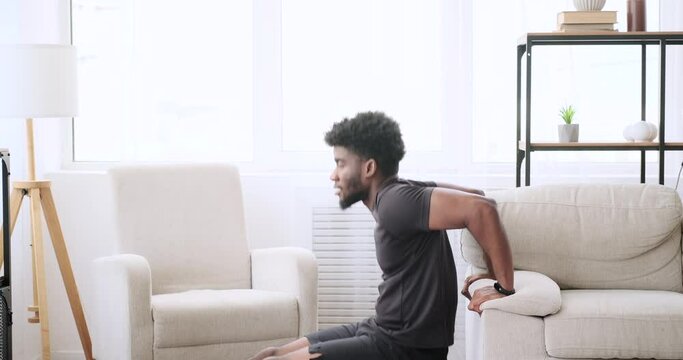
375, 187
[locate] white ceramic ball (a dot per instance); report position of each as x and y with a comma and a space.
640, 131
653, 130
628, 133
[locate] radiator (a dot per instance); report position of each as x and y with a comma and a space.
348, 274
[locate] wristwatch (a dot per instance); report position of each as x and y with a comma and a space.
503, 290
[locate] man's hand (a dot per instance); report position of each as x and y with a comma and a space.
267, 352
482, 295
470, 280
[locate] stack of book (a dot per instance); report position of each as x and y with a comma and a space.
583, 21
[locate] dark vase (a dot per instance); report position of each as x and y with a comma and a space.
636, 15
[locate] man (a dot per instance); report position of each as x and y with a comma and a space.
415, 310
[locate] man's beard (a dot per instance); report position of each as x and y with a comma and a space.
354, 195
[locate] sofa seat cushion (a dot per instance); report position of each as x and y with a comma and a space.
204, 317
620, 324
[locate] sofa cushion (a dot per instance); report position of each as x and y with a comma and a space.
621, 324
204, 317
537, 295
593, 236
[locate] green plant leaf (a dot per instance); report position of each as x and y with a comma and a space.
567, 114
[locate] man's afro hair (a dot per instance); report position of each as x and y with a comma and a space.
370, 135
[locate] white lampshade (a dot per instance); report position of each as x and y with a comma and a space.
38, 81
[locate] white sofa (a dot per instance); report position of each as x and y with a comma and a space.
183, 284
598, 274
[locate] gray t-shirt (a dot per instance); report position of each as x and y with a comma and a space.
417, 299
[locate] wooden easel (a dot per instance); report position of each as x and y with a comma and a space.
41, 199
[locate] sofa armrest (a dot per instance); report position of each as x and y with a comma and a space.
536, 295
123, 289
290, 270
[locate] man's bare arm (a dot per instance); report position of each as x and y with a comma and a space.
460, 188
453, 209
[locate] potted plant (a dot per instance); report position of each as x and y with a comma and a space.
568, 132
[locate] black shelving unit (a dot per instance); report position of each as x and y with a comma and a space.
525, 147
5, 279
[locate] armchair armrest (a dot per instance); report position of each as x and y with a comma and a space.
536, 295
123, 289
290, 270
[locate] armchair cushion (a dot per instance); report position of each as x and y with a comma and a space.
536, 295
205, 317
620, 324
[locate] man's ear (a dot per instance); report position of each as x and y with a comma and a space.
369, 168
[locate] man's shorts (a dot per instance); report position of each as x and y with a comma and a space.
363, 341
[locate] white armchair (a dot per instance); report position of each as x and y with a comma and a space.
184, 284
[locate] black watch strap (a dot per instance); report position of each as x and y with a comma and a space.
503, 290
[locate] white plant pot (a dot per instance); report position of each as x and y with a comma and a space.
589, 5
568, 132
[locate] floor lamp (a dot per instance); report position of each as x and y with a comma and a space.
40, 81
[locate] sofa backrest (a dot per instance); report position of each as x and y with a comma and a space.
592, 236
187, 220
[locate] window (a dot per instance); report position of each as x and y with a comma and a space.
343, 57
163, 80
177, 84
260, 82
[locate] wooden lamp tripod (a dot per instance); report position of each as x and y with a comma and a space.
40, 81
